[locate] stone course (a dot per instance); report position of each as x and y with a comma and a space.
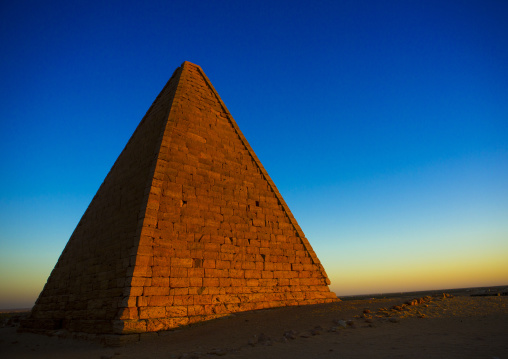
186, 227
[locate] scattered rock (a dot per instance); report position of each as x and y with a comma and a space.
332, 329
61, 333
366, 311
13, 321
305, 335
317, 330
264, 340
189, 356
340, 323
260, 339
444, 295
350, 323
290, 334
394, 320
218, 352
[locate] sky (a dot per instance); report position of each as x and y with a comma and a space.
384, 125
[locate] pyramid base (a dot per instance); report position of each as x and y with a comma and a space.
52, 326
113, 331
108, 340
162, 324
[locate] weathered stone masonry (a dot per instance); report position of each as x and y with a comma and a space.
187, 226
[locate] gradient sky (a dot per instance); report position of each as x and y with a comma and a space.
384, 124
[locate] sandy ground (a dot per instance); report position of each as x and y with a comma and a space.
437, 327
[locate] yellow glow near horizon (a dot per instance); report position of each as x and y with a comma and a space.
22, 281
491, 271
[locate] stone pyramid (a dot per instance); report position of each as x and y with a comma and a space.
186, 227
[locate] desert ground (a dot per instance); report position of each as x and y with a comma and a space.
458, 325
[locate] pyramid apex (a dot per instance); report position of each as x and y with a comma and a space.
188, 63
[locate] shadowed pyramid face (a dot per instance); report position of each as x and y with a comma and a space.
187, 226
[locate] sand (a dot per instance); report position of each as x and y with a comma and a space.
438, 327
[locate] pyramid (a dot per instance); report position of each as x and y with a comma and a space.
187, 226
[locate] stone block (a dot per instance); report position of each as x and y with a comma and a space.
161, 271
160, 300
210, 282
176, 311
160, 282
183, 300
195, 282
149, 291
127, 302
155, 325
152, 312
178, 282
209, 263
180, 272
142, 301
127, 313
252, 273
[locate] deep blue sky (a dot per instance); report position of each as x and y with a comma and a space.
384, 124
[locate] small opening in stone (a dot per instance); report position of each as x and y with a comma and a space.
257, 203
183, 203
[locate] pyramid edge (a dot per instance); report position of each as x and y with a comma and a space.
292, 219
